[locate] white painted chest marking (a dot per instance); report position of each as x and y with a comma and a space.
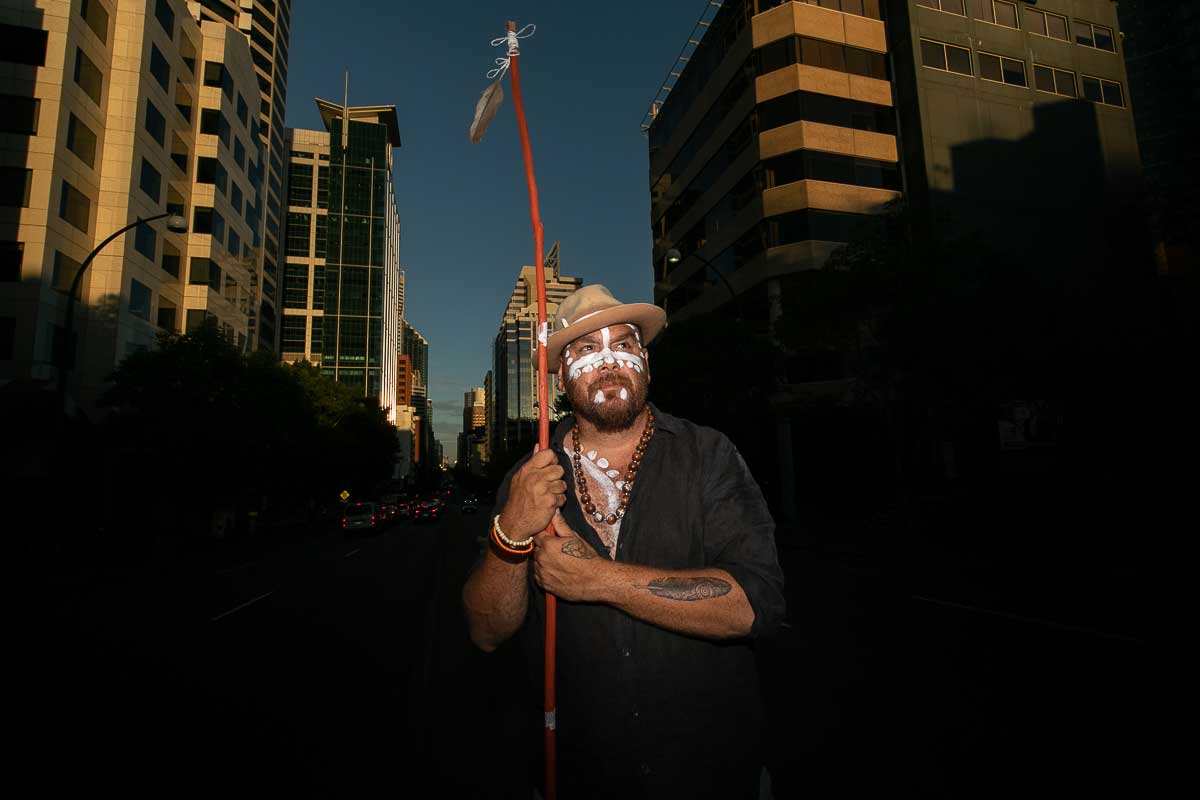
607, 494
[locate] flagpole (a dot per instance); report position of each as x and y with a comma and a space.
543, 389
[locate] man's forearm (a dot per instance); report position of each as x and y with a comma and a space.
496, 598
707, 603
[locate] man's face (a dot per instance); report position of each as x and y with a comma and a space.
607, 377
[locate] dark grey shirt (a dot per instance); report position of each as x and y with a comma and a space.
643, 710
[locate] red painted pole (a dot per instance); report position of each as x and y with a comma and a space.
543, 388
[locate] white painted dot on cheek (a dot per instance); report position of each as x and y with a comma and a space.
599, 398
624, 393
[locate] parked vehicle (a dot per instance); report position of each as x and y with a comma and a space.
362, 517
469, 506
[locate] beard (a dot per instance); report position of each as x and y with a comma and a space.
614, 414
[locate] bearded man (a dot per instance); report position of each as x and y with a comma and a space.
664, 564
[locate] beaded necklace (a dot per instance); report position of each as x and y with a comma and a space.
585, 499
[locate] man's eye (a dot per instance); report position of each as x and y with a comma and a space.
586, 347
621, 346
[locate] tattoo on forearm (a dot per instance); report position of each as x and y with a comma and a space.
578, 548
688, 588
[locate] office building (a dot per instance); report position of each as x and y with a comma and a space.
779, 137
266, 27
775, 140
342, 245
514, 355
415, 348
474, 427
115, 111
302, 297
1162, 56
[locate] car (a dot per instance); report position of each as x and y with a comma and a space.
469, 506
427, 512
362, 517
404, 509
389, 511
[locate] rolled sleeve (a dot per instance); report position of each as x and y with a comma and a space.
739, 536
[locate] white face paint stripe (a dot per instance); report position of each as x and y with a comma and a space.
605, 355
599, 398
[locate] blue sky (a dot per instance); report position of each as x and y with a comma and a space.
588, 75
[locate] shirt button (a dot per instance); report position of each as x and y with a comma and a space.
636, 713
625, 652
644, 768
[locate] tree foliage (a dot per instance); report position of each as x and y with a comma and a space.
204, 424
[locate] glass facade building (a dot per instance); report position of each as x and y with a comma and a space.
342, 280
514, 361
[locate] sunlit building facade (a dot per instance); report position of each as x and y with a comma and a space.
514, 361
115, 111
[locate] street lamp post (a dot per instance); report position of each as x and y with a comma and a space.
674, 257
66, 349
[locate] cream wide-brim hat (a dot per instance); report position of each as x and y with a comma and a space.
591, 308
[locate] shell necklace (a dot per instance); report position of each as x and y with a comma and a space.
625, 487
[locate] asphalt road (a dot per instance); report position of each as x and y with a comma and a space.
335, 667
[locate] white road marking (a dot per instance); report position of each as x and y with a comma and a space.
352, 552
243, 605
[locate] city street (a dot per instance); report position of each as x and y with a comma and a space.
332, 666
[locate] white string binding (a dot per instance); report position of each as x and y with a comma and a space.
513, 40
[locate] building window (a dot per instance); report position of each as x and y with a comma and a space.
243, 111
1101, 91
239, 153
1054, 81
1002, 69
949, 6
300, 184
23, 45
295, 285
202, 220
204, 272
139, 299
156, 123
210, 170
96, 18
318, 294
318, 330
74, 207
145, 241
64, 271
322, 187
165, 16
81, 141
159, 68
321, 231
11, 256
1096, 36
1043, 23
213, 70
298, 227
235, 197
88, 76
167, 315
946, 57
210, 121
195, 320
224, 131
292, 334
170, 260
19, 114
999, 12
830, 167
235, 243
150, 181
